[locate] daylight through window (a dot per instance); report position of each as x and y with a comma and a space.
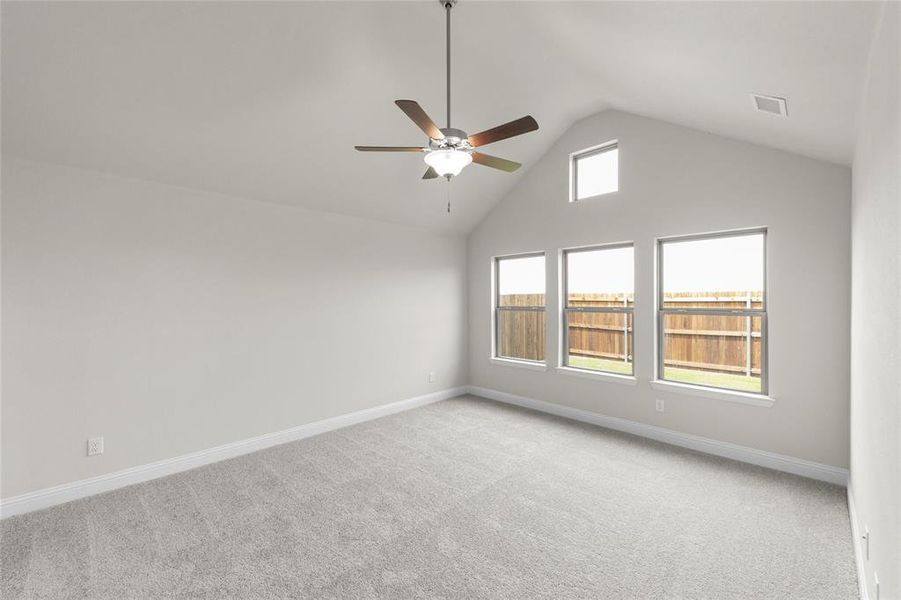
599, 289
595, 172
712, 311
520, 307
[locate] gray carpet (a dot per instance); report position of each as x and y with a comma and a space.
461, 499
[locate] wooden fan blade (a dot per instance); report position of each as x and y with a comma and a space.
502, 132
388, 148
494, 162
430, 174
422, 120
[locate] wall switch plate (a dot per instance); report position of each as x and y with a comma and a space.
659, 405
432, 377
95, 446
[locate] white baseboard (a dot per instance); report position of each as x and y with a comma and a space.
858, 550
103, 483
762, 458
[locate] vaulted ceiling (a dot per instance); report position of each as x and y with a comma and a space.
266, 100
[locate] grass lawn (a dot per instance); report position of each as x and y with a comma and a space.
742, 383
620, 367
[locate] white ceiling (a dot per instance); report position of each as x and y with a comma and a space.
266, 100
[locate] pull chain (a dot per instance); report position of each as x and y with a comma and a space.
448, 195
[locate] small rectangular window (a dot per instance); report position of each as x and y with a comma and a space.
519, 307
712, 311
599, 287
595, 172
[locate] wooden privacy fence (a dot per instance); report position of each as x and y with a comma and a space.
600, 335
520, 333
721, 343
725, 344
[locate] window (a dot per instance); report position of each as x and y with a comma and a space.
519, 307
599, 287
595, 172
712, 311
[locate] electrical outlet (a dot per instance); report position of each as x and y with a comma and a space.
866, 542
432, 377
95, 446
659, 405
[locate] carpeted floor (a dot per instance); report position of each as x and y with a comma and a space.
461, 499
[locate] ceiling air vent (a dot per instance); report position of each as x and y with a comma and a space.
770, 104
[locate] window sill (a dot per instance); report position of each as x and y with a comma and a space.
574, 200
598, 375
706, 392
523, 364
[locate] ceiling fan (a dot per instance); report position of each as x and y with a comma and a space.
450, 150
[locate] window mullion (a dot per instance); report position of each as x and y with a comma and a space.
725, 312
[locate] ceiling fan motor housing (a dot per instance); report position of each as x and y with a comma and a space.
453, 138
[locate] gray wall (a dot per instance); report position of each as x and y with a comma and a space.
675, 180
876, 313
169, 320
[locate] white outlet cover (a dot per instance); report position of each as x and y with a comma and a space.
659, 405
95, 446
432, 377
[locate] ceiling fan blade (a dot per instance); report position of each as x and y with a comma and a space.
494, 162
422, 120
388, 148
430, 174
502, 132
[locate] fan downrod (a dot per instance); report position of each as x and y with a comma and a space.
449, 148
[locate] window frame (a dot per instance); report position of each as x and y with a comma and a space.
496, 308
565, 309
762, 312
574, 169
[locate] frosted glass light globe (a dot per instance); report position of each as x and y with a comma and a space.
448, 162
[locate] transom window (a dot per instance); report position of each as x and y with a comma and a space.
519, 307
595, 172
599, 287
712, 311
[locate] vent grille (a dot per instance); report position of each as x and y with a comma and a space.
770, 104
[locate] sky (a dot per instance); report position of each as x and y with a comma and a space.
599, 271
521, 275
732, 264
720, 264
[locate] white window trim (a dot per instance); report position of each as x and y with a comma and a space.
535, 365
764, 398
573, 171
704, 391
532, 365
598, 375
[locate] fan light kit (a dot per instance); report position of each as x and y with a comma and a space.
448, 162
450, 150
